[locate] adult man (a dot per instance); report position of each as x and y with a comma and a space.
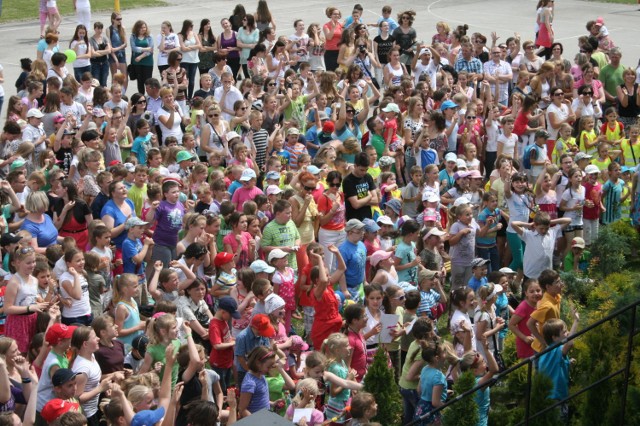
360, 190
154, 103
468, 63
498, 72
354, 253
281, 233
227, 95
611, 76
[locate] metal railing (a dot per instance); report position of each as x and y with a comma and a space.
529, 363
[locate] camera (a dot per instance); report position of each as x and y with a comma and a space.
362, 48
149, 117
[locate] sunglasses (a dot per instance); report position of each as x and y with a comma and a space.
308, 188
588, 93
334, 185
471, 117
400, 297
142, 101
271, 84
25, 250
118, 19
214, 115
350, 111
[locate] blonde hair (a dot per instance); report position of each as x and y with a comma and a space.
311, 385
137, 393
331, 345
119, 282
163, 322
483, 295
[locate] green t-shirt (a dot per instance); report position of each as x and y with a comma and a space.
611, 78
138, 196
378, 143
157, 353
583, 263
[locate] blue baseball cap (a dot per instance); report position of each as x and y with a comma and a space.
370, 225
448, 105
148, 417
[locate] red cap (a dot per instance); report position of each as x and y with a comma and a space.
222, 258
172, 179
55, 408
114, 162
58, 332
328, 126
262, 323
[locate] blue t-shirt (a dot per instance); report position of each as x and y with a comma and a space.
483, 399
430, 377
245, 343
443, 175
475, 283
407, 253
489, 240
118, 218
355, 258
232, 188
428, 299
258, 387
45, 233
141, 145
131, 248
555, 365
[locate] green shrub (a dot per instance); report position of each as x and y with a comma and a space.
609, 251
465, 412
380, 382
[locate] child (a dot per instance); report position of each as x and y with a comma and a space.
462, 245
261, 288
470, 157
283, 282
464, 301
75, 289
485, 321
257, 334
254, 394
538, 155
540, 242
518, 201
355, 321
111, 351
135, 358
363, 408
592, 203
58, 337
405, 259
221, 358
587, 135
20, 305
612, 129
47, 286
548, 307
612, 193
143, 142
373, 302
507, 141
225, 274
97, 286
484, 369
432, 386
572, 203
163, 331
138, 191
519, 319
432, 296
244, 298
565, 144
479, 274
388, 188
168, 215
412, 193
134, 252
489, 223
336, 346
305, 397
127, 314
555, 363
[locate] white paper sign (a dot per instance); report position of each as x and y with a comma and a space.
389, 322
299, 413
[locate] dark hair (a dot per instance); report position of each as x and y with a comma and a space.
186, 24
58, 59
422, 328
352, 313
201, 413
409, 227
547, 278
559, 45
209, 34
412, 299
361, 160
280, 206
194, 250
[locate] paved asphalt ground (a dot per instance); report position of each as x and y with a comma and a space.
18, 40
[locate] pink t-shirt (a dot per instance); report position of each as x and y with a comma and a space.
242, 195
359, 355
244, 256
524, 311
317, 417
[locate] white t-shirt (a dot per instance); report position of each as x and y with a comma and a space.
561, 113
175, 130
538, 253
457, 318
171, 41
91, 369
572, 198
75, 108
80, 307
231, 98
82, 50
508, 144
431, 69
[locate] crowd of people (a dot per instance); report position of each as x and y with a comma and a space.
182, 253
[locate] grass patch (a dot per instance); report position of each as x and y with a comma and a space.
22, 10
616, 1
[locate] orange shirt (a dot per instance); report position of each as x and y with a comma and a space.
548, 308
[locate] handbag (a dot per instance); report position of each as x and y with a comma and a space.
131, 70
497, 355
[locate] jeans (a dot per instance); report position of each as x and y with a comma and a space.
164, 254
1, 102
491, 254
100, 71
409, 402
83, 320
327, 238
77, 72
225, 378
191, 69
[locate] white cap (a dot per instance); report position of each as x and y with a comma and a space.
276, 254
450, 157
507, 270
247, 174
430, 197
273, 190
34, 112
385, 220
496, 289
591, 169
461, 164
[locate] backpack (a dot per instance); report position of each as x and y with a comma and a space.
529, 151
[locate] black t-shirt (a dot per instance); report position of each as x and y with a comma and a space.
192, 391
384, 47
358, 187
80, 209
203, 93
64, 157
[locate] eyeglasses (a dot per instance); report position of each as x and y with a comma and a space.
471, 117
271, 84
142, 101
335, 185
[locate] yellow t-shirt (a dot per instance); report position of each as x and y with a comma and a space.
548, 308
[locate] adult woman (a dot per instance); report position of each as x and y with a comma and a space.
236, 17
480, 50
124, 137
240, 120
588, 79
332, 34
80, 44
228, 45
189, 46
268, 38
545, 34
175, 77
118, 39
71, 214
346, 52
304, 213
257, 62
170, 116
584, 105
208, 46
277, 61
558, 113
167, 42
220, 67
557, 49
628, 99
138, 107
141, 44
115, 213
348, 122
51, 112
541, 83
212, 139
316, 47
38, 223
530, 61
436, 124
382, 45
395, 69
101, 49
263, 16
18, 385
514, 56
331, 212
193, 310
405, 36
90, 380
248, 37
457, 37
